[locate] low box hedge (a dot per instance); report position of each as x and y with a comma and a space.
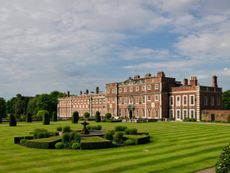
95, 143
139, 139
18, 139
44, 143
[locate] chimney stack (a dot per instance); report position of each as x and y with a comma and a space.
68, 93
97, 90
185, 82
87, 92
193, 81
214, 81
161, 74
81, 92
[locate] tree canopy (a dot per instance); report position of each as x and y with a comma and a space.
226, 99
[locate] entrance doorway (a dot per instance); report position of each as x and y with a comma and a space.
130, 114
212, 117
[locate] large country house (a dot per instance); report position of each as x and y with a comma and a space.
149, 97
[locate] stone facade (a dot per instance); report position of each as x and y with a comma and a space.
148, 97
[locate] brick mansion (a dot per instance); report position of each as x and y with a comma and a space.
150, 97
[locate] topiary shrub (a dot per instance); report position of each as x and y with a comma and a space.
97, 127
132, 131
59, 129
97, 117
45, 116
66, 139
40, 133
108, 116
66, 129
109, 135
12, 121
75, 117
59, 145
86, 115
118, 137
129, 142
29, 118
223, 163
54, 116
75, 137
120, 128
76, 145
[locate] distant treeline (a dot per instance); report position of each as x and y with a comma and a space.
20, 106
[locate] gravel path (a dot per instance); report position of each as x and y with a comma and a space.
209, 170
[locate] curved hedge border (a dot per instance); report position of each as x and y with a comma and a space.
139, 139
95, 143
44, 143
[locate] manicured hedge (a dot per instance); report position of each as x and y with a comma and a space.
139, 139
75, 117
95, 143
18, 139
120, 128
97, 127
44, 143
132, 131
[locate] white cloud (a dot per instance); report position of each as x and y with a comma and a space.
52, 44
144, 53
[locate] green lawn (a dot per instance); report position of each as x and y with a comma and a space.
176, 147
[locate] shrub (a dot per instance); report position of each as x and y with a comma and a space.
59, 145
76, 145
66, 138
28, 118
59, 129
223, 163
40, 133
189, 119
45, 116
13, 121
132, 131
45, 143
75, 137
118, 137
97, 127
108, 116
54, 116
120, 128
109, 135
23, 141
75, 117
129, 142
86, 115
139, 139
66, 129
97, 117
18, 139
95, 143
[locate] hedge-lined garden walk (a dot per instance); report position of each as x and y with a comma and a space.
175, 147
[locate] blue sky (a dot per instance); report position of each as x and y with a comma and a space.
76, 44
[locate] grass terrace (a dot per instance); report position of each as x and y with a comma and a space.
175, 147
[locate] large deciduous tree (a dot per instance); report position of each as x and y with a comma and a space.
226, 99
2, 108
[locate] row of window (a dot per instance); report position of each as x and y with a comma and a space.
137, 99
138, 112
183, 114
134, 89
210, 101
184, 100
